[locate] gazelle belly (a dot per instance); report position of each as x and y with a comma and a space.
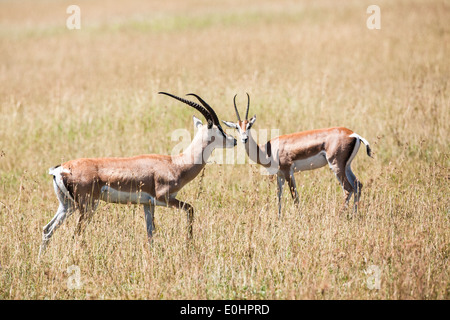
317, 161
112, 195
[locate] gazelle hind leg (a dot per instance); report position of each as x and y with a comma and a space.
351, 178
280, 180
65, 209
347, 187
50, 228
356, 184
87, 210
348, 192
293, 187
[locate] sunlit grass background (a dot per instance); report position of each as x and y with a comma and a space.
92, 92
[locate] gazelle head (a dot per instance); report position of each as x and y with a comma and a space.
243, 127
212, 131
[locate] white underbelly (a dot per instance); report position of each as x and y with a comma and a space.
311, 163
112, 195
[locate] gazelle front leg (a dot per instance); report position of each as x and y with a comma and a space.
175, 203
112, 195
149, 210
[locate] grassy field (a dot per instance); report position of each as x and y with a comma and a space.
92, 92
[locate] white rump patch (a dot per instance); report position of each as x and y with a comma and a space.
57, 178
355, 135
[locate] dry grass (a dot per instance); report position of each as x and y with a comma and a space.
92, 92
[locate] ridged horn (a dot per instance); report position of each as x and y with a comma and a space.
248, 106
235, 108
194, 105
207, 107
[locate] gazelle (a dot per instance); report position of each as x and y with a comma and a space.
307, 150
151, 180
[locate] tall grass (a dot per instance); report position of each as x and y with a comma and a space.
92, 92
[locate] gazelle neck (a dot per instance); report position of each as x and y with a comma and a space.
193, 159
257, 153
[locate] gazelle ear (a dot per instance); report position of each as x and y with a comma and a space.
251, 122
230, 124
197, 122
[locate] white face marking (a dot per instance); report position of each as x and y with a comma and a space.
242, 134
311, 163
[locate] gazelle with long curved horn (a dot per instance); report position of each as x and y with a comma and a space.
307, 150
151, 180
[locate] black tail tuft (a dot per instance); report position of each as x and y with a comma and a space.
369, 151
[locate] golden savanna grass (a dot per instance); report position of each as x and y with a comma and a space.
92, 92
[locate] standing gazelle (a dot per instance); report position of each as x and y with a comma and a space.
307, 150
151, 180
